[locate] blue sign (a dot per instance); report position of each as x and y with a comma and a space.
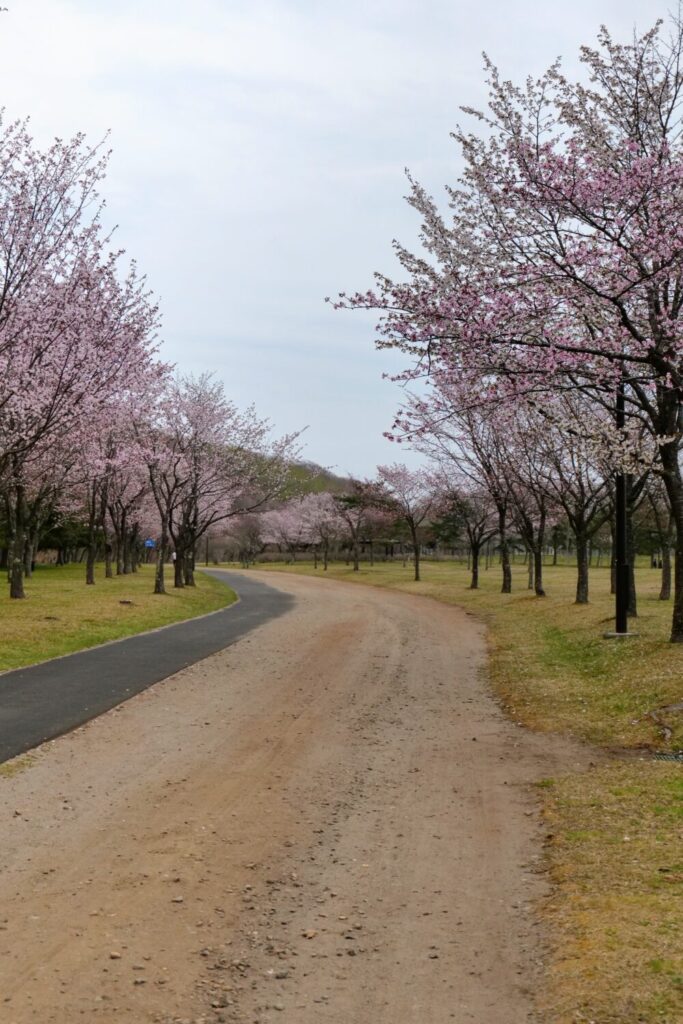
149, 543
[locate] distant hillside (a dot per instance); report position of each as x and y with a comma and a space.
309, 478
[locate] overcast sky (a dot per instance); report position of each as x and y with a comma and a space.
258, 165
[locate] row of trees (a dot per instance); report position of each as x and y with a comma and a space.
363, 511
490, 485
94, 427
553, 292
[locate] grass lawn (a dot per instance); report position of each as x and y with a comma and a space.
61, 614
616, 835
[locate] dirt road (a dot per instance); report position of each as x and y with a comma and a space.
329, 822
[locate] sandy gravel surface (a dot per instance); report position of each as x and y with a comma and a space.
330, 822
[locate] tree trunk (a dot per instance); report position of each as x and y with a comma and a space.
582, 569
119, 553
91, 557
416, 551
179, 569
17, 514
30, 553
16, 586
108, 549
504, 552
665, 589
475, 549
631, 553
356, 555
188, 567
674, 490
325, 555
538, 570
127, 563
159, 582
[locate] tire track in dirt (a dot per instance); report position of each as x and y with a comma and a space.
329, 822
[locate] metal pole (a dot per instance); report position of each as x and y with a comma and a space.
621, 557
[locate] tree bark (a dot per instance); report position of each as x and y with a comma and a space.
506, 587
582, 569
416, 551
119, 553
91, 557
17, 511
159, 582
475, 549
665, 589
188, 567
127, 554
674, 489
631, 553
538, 570
106, 543
179, 569
30, 549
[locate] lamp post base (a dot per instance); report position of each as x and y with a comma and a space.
619, 636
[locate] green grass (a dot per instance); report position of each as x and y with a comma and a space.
615, 834
61, 614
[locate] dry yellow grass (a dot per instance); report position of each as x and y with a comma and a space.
615, 849
617, 915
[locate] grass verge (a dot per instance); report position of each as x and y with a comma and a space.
615, 847
61, 614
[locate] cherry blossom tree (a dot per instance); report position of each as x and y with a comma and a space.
469, 448
355, 508
207, 462
411, 496
322, 523
245, 537
472, 507
287, 526
73, 333
575, 475
560, 264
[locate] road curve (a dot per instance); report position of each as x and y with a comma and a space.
40, 702
328, 822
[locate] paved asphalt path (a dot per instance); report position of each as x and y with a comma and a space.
42, 701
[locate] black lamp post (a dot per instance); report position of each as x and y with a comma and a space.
620, 526
621, 555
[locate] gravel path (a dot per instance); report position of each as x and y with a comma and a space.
329, 822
